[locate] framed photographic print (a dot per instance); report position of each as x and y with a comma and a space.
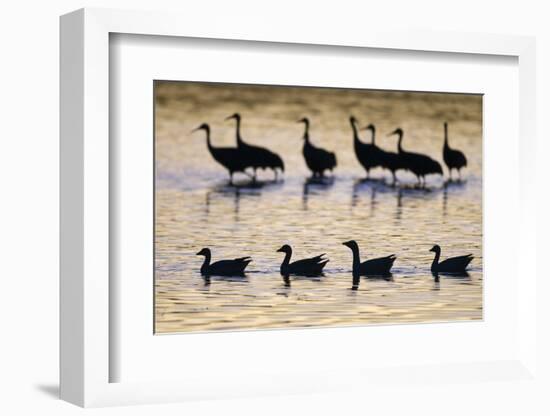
289, 220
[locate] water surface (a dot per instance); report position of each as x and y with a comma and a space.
196, 207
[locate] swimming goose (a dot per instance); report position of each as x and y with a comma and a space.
454, 159
375, 267
317, 159
306, 267
233, 267
450, 265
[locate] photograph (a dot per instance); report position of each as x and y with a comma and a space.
286, 207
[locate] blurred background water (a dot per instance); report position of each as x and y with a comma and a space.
195, 207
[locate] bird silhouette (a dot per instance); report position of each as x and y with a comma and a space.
229, 157
454, 159
420, 165
256, 157
310, 267
317, 159
367, 154
234, 267
371, 268
456, 265
388, 160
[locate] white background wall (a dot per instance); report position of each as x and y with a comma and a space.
29, 182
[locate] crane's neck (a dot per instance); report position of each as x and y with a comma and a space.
446, 137
355, 133
373, 134
306, 132
399, 140
239, 138
435, 261
208, 142
206, 263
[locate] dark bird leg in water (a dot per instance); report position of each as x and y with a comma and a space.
286, 280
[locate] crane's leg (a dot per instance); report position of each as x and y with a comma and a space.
230, 177
394, 178
459, 175
450, 174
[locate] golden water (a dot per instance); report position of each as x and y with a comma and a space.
196, 208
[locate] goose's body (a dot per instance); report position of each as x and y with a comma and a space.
234, 267
452, 264
306, 267
368, 154
371, 268
317, 159
454, 159
420, 165
229, 157
256, 157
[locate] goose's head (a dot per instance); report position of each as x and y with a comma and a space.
397, 131
285, 249
204, 252
235, 116
351, 244
436, 249
203, 126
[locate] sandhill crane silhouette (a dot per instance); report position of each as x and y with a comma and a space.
368, 155
454, 159
256, 157
229, 157
419, 164
234, 267
310, 267
388, 160
317, 159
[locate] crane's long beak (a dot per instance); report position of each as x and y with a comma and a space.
195, 129
229, 117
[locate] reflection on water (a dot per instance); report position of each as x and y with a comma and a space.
196, 207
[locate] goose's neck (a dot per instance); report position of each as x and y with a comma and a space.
286, 260
206, 263
435, 261
356, 261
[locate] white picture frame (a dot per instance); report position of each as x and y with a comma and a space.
86, 304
